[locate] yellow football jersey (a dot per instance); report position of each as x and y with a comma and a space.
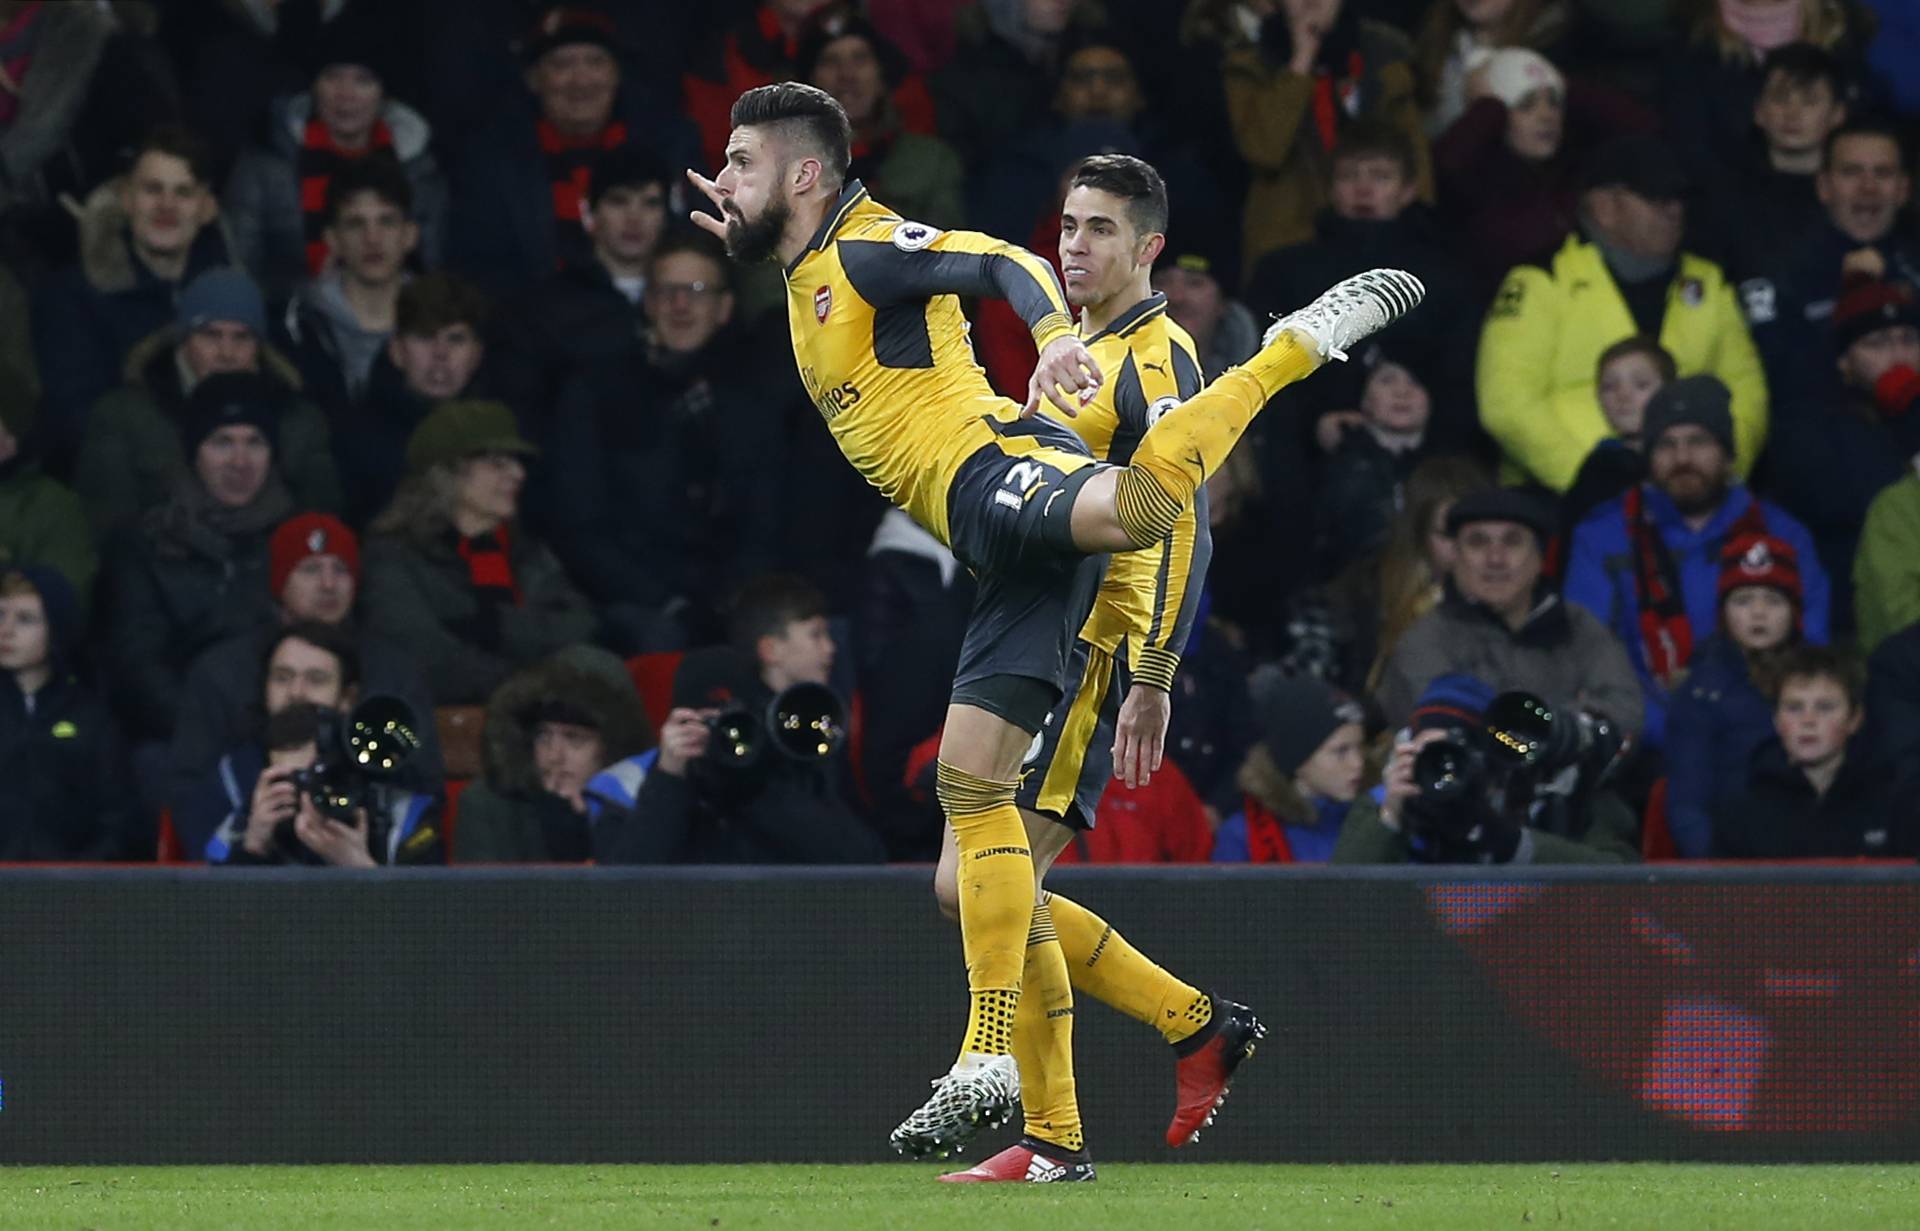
1148, 597
882, 345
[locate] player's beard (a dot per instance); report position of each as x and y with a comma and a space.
756, 242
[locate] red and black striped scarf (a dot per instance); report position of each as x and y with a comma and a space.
1266, 835
490, 567
319, 159
570, 165
1335, 100
1666, 637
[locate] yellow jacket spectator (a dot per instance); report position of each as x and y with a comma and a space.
1625, 276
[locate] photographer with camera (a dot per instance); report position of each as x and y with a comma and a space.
749, 768
313, 672
1479, 778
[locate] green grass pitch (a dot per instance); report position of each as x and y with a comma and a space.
1198, 1197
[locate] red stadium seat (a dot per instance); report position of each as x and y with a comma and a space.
1656, 841
169, 849
653, 680
451, 816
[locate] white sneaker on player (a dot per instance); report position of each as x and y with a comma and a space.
980, 1091
1350, 310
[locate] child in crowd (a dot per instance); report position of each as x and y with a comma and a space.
1724, 710
1629, 373
1300, 779
1812, 791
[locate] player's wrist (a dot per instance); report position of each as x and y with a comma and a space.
1155, 668
1051, 328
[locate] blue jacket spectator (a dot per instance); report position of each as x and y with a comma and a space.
1648, 563
1300, 779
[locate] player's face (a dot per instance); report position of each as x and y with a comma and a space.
754, 196
1099, 252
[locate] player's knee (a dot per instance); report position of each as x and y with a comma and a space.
1146, 513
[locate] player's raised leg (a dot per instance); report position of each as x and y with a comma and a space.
1135, 506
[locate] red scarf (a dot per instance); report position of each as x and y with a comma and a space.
1266, 836
570, 165
319, 159
1334, 99
489, 566
1666, 637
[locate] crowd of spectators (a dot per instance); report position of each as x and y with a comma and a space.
359, 349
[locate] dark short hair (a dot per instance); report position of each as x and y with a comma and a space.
768, 605
176, 141
379, 173
699, 243
803, 114
1864, 126
1134, 181
432, 302
1805, 64
1640, 344
1374, 138
624, 166
296, 726
328, 638
1824, 662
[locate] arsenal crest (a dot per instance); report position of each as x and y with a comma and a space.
822, 303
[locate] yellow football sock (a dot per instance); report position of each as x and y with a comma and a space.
1043, 1040
1103, 965
1180, 450
996, 900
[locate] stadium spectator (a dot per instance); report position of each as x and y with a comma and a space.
1710, 83
664, 484
1815, 790
41, 521
915, 173
1503, 622
134, 453
1005, 66
1893, 702
1160, 821
550, 728
1629, 373
591, 310
1311, 68
1363, 481
1864, 184
1623, 274
65, 793
1828, 467
1200, 300
276, 197
434, 355
452, 575
1456, 38
520, 182
1509, 165
1886, 568
1373, 218
1647, 564
143, 235
1766, 203
914, 603
338, 322
1723, 710
277, 822
1300, 779
1393, 823
676, 804
313, 574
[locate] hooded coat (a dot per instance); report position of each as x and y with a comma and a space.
508, 816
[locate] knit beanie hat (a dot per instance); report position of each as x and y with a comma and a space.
1298, 714
1512, 73
1457, 700
223, 294
229, 398
304, 536
1501, 504
1760, 560
1699, 401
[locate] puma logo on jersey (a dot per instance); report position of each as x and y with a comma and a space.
1156, 367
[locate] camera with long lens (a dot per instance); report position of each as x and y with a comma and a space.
805, 723
371, 744
1491, 772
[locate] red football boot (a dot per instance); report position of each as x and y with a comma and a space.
1206, 1064
1027, 1161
